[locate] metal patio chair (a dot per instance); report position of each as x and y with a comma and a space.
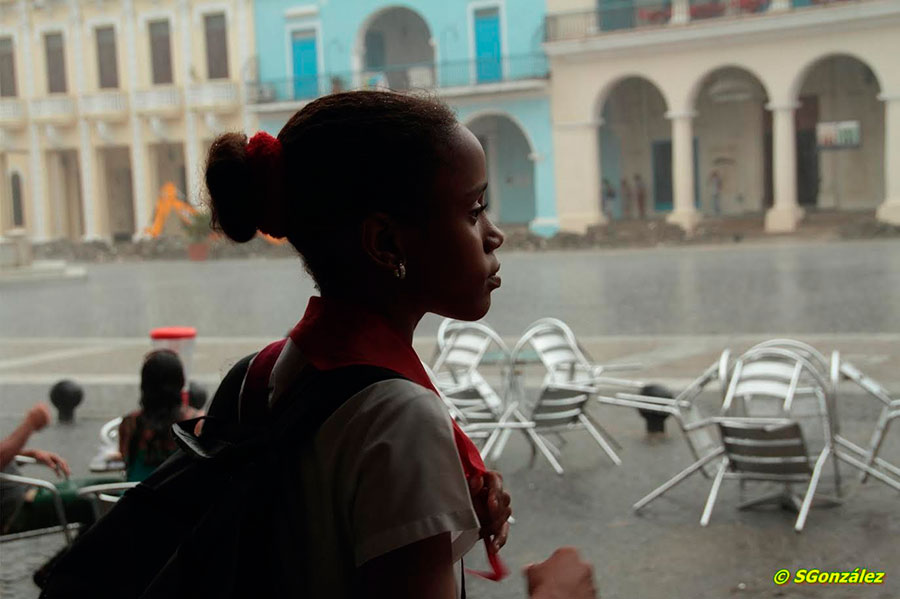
767, 450
105, 495
569, 381
462, 347
565, 359
109, 446
28, 481
889, 412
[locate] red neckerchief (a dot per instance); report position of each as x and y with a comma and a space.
333, 334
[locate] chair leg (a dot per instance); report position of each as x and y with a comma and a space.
875, 443
599, 439
511, 413
604, 432
713, 493
677, 478
539, 443
811, 490
871, 471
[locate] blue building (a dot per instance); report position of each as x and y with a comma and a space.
483, 57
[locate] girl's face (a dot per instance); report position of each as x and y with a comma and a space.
452, 265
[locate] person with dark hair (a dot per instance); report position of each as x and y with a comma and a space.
383, 196
145, 435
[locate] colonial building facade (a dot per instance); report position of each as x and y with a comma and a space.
104, 101
702, 107
483, 57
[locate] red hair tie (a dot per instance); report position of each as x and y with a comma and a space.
266, 165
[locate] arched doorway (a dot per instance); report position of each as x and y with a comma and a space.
508, 153
733, 144
18, 207
635, 151
840, 135
397, 51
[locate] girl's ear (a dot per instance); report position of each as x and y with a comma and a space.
381, 241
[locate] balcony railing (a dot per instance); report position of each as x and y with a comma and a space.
158, 99
12, 112
615, 15
53, 108
213, 95
426, 75
105, 105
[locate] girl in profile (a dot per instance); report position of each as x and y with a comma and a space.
383, 196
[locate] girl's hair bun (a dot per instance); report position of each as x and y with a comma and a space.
235, 209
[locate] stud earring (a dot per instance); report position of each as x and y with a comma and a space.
400, 272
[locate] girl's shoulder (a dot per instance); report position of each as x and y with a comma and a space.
397, 398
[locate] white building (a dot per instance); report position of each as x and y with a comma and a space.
725, 108
103, 101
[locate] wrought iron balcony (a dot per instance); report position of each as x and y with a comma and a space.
111, 105
617, 15
213, 95
426, 75
53, 108
158, 100
12, 113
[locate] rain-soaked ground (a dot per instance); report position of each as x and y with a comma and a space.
672, 309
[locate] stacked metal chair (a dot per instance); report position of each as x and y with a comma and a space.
570, 380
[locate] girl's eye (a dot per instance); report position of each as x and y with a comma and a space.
477, 211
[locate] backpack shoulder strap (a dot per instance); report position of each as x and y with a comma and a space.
318, 394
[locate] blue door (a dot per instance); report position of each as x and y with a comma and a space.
306, 65
487, 45
662, 175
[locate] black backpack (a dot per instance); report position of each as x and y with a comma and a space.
219, 518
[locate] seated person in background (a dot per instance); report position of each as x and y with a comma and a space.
145, 435
28, 508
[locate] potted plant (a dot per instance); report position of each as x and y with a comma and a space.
198, 230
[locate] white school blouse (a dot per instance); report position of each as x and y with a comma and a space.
381, 473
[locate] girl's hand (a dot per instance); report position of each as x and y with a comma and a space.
491, 503
564, 576
52, 461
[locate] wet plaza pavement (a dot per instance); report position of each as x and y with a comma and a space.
673, 310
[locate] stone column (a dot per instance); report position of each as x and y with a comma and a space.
143, 211
191, 149
85, 149
684, 212
6, 219
38, 212
889, 211
36, 217
243, 17
786, 213
578, 176
681, 12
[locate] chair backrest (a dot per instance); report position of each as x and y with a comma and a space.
774, 373
462, 345
109, 432
765, 450
808, 352
558, 407
558, 349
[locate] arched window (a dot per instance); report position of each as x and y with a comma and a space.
18, 209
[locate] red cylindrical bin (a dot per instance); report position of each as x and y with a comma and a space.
181, 340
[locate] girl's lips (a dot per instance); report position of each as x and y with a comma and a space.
494, 281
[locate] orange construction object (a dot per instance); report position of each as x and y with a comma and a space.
166, 203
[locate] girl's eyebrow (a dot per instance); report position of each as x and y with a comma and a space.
478, 190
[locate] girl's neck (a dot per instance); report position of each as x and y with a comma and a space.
396, 312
